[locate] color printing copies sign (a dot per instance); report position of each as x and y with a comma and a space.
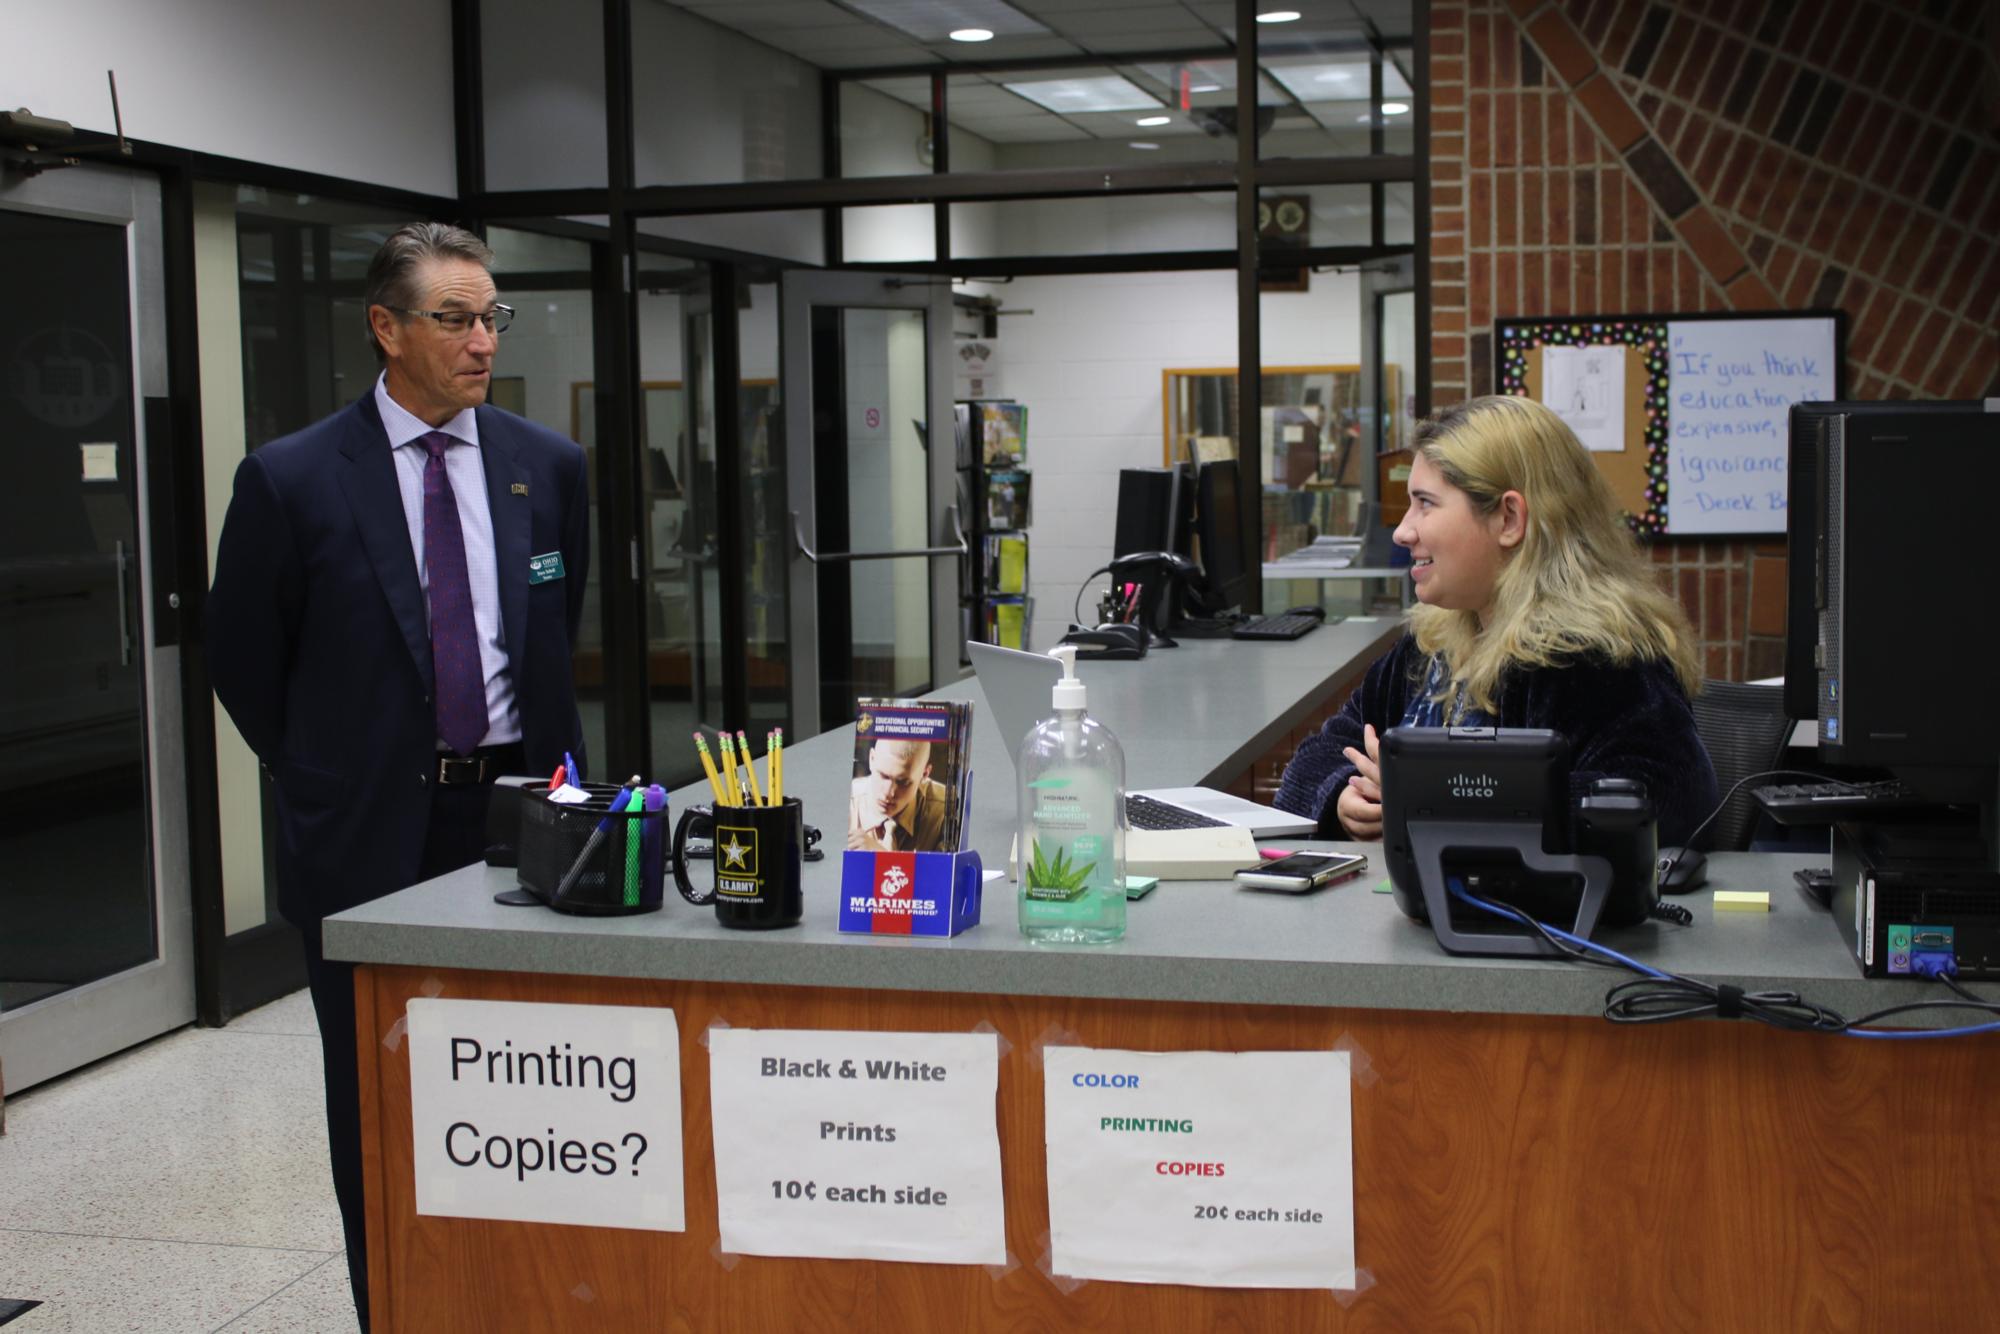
1173, 1168
547, 1113
858, 1146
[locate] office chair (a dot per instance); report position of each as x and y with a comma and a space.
1745, 728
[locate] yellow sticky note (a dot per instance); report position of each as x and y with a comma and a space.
1742, 900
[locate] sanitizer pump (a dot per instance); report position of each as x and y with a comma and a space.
1072, 813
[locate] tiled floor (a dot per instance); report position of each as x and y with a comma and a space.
179, 1186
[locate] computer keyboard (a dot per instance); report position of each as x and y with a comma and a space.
1288, 626
1142, 812
1823, 803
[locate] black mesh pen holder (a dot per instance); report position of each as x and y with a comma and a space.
587, 859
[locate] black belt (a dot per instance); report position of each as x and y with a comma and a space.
481, 766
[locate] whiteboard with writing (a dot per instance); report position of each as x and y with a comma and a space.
1731, 385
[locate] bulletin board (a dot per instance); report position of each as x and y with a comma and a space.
1686, 415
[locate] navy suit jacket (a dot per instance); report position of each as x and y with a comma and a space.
319, 646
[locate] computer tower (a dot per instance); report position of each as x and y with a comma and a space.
1906, 637
1910, 898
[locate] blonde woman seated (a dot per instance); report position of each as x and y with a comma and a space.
1538, 610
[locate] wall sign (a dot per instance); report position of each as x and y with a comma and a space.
547, 1113
865, 1146
1223, 1169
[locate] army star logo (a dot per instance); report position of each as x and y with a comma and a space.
735, 851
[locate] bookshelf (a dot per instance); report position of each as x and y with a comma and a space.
995, 495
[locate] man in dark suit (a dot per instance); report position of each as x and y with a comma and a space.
396, 593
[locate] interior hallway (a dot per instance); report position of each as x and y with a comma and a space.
178, 1186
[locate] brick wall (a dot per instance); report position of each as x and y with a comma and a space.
1613, 156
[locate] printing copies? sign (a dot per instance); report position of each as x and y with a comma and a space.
547, 1113
1223, 1169
861, 1146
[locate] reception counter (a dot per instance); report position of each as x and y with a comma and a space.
1519, 1162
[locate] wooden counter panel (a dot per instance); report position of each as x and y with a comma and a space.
1511, 1172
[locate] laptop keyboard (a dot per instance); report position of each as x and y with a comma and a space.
1142, 812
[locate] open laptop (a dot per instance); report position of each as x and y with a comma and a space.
1017, 687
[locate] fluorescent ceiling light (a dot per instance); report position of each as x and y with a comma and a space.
1071, 96
1205, 88
1144, 146
1154, 120
972, 35
1395, 108
1279, 16
937, 20
1336, 80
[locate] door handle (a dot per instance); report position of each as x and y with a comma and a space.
124, 622
829, 557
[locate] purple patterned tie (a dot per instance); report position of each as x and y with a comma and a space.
461, 681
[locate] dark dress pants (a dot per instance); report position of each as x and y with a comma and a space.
457, 837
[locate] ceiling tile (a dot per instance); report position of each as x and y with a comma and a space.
755, 16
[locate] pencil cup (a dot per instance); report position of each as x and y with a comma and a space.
758, 851
590, 860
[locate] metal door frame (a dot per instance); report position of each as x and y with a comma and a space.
801, 291
82, 1024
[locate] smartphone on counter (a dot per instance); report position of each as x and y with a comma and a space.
1303, 872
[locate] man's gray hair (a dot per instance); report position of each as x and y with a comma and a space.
392, 274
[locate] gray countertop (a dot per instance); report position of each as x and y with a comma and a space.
1190, 715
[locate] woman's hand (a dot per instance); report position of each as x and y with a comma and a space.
1360, 804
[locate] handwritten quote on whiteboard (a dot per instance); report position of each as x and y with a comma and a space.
1731, 385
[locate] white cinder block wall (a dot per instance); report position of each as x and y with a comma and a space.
1088, 364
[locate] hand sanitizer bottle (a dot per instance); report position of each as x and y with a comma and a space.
1072, 845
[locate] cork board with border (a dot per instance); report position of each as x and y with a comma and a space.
1636, 473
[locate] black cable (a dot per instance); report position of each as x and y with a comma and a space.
1735, 787
1657, 997
1671, 912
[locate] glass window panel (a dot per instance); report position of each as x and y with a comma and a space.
1399, 370
1111, 115
885, 126
1399, 212
766, 500
679, 569
888, 232
1108, 225
711, 106
544, 372
1293, 217
1324, 65
542, 75
795, 234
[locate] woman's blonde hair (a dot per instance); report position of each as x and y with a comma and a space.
1576, 586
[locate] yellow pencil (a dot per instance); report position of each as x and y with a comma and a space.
749, 768
733, 795
775, 748
708, 763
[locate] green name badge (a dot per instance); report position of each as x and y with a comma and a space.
543, 569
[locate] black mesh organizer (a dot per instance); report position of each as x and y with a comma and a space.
584, 859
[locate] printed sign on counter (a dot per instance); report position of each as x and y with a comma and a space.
1223, 1169
547, 1113
862, 1146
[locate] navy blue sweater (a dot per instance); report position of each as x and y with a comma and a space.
1630, 721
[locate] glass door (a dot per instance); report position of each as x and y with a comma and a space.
877, 534
96, 935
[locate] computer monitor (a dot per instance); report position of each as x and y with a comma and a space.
1900, 525
1155, 511
1219, 526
